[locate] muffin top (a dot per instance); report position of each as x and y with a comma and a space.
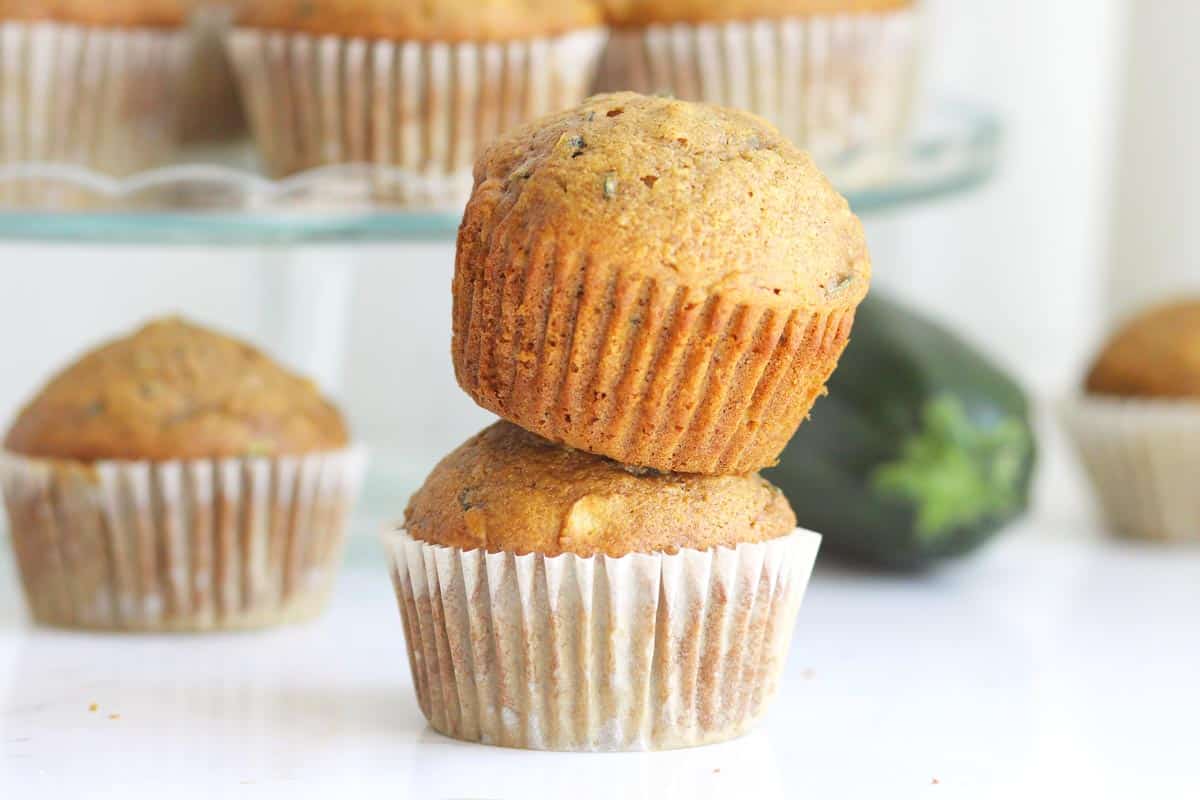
1156, 354
687, 194
649, 12
506, 489
443, 20
150, 13
174, 390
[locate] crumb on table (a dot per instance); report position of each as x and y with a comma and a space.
94, 707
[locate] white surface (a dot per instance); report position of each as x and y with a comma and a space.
1050, 665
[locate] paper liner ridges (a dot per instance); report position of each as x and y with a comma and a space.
642, 372
572, 653
179, 545
837, 85
424, 107
102, 97
1142, 456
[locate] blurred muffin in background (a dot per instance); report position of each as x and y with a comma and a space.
177, 479
90, 83
1137, 426
836, 76
665, 283
413, 89
690, 584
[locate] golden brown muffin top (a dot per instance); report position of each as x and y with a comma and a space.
1156, 354
426, 20
507, 489
149, 13
684, 193
175, 390
649, 12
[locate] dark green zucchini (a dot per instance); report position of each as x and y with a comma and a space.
922, 450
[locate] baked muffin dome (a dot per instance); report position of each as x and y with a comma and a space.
444, 20
174, 390
649, 12
1156, 354
506, 489
141, 13
666, 283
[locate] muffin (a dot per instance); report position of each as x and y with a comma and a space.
410, 88
211, 112
177, 479
836, 76
89, 83
668, 284
554, 599
1137, 425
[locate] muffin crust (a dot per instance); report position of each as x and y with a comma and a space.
686, 193
141, 13
1156, 354
174, 390
445, 20
506, 489
649, 12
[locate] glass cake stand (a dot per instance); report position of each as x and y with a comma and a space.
222, 200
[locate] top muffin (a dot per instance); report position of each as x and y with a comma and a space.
174, 390
445, 20
694, 194
668, 284
148, 13
650, 12
1156, 354
506, 489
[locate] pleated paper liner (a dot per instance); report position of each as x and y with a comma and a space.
645, 373
840, 86
179, 545
1143, 458
642, 652
426, 107
102, 97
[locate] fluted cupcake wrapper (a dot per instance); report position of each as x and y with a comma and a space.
101, 97
841, 86
642, 652
423, 108
646, 373
1142, 456
179, 545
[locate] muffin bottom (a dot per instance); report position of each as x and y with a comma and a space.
179, 545
643, 652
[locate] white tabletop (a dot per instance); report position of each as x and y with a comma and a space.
1052, 664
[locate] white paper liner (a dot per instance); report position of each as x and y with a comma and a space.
1143, 457
179, 545
102, 97
425, 107
840, 86
643, 652
211, 109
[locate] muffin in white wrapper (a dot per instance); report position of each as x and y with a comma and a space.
418, 110
193, 545
1142, 456
104, 98
839, 85
640, 652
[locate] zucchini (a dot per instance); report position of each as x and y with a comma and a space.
922, 450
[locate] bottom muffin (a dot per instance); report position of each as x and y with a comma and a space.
553, 599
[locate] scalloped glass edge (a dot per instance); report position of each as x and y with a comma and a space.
954, 149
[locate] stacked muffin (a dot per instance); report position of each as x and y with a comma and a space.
652, 293
177, 479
